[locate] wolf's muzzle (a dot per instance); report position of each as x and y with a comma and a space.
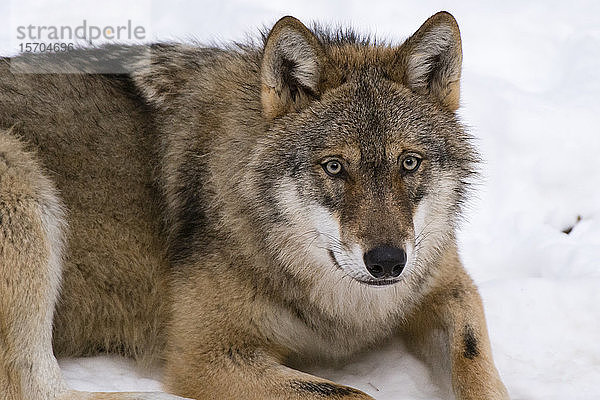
385, 261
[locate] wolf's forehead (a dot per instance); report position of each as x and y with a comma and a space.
372, 118
376, 109
375, 139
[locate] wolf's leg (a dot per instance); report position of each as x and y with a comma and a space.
216, 352
31, 242
75, 395
449, 330
31, 236
249, 375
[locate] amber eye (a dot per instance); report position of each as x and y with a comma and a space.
411, 163
333, 167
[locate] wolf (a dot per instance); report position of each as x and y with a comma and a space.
236, 212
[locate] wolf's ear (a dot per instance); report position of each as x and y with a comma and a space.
291, 68
432, 60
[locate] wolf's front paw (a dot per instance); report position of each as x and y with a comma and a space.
326, 390
498, 393
76, 395
156, 396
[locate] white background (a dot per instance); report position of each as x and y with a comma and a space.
531, 95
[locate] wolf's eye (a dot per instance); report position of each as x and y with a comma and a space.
333, 167
411, 163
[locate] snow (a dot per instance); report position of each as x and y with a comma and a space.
530, 95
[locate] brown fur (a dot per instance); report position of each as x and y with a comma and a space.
191, 188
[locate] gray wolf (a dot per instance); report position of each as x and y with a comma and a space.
238, 212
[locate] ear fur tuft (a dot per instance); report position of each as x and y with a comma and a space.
432, 60
291, 67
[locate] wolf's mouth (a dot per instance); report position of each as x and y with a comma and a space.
368, 282
385, 282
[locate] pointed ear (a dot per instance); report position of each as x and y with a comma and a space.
432, 60
291, 68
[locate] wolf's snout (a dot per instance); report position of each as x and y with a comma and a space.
385, 261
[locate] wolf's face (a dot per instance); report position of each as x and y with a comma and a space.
367, 174
371, 178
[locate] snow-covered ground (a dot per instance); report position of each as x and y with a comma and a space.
531, 95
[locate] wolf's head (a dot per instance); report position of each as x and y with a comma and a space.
365, 161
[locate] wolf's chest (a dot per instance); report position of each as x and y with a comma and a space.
338, 323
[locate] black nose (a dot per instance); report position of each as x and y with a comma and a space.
385, 261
